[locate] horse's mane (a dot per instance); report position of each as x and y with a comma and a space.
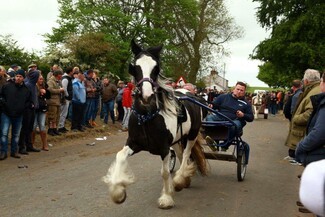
166, 97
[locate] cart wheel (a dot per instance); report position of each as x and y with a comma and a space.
172, 160
241, 165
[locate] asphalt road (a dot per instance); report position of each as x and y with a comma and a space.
66, 181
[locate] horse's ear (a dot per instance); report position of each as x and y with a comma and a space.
132, 70
136, 49
155, 51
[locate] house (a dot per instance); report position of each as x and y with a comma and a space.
215, 81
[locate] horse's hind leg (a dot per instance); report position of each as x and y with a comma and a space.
118, 176
166, 200
187, 169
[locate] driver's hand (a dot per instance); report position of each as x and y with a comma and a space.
240, 114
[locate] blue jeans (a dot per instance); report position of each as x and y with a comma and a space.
96, 108
16, 124
89, 110
40, 118
108, 108
273, 109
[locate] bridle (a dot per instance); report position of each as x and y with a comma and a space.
153, 83
142, 118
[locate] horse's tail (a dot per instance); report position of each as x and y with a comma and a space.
198, 156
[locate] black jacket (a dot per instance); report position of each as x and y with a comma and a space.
15, 98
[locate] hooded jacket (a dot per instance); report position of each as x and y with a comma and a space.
30, 83
15, 98
127, 96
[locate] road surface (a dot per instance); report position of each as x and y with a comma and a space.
66, 181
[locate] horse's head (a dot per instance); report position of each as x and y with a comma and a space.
145, 70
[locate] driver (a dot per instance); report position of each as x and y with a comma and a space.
233, 106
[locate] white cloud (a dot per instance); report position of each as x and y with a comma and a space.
238, 65
28, 20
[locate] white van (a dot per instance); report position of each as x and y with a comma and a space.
259, 91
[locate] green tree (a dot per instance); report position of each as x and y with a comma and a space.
11, 53
297, 40
190, 30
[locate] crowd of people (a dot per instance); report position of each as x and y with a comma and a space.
31, 105
305, 109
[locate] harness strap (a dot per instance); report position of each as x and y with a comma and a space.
144, 118
155, 84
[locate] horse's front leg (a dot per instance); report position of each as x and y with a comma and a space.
182, 178
118, 176
178, 150
255, 112
166, 200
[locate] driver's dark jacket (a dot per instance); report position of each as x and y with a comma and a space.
229, 105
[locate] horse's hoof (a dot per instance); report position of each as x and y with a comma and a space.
166, 207
178, 188
119, 195
166, 202
179, 183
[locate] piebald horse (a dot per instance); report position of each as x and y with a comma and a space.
158, 121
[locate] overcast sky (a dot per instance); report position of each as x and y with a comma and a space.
28, 20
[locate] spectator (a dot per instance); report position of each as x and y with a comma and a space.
287, 105
78, 102
40, 113
273, 103
127, 104
12, 70
297, 90
75, 75
211, 95
280, 97
13, 109
53, 68
120, 109
90, 99
97, 99
32, 67
312, 147
3, 76
25, 139
67, 86
190, 87
54, 102
109, 93
291, 101
302, 112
